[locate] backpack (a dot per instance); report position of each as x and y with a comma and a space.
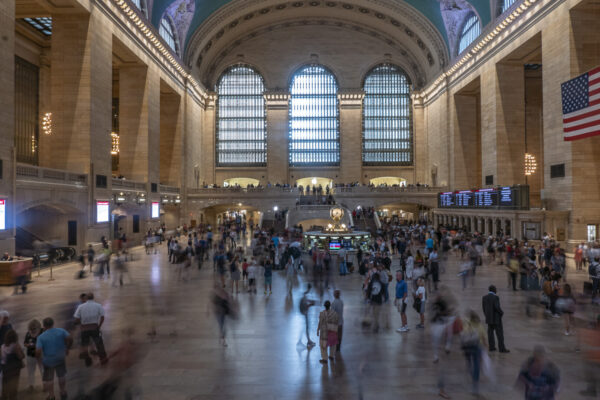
547, 288
375, 289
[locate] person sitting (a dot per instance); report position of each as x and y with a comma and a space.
6, 257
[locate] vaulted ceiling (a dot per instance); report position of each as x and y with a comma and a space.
420, 35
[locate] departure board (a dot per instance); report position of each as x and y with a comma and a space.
503, 197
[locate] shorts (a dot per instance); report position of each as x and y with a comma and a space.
402, 307
268, 280
422, 310
61, 371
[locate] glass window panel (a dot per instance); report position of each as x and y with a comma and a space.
314, 118
470, 32
387, 136
42, 24
167, 32
507, 3
241, 118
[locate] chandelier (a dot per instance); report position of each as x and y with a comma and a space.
530, 164
47, 123
114, 150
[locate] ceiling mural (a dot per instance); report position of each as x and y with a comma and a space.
182, 13
445, 15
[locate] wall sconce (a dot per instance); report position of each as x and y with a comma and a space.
114, 150
47, 123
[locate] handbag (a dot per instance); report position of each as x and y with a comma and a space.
417, 304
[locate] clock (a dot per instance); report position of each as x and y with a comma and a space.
336, 213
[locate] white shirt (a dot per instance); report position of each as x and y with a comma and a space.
89, 312
421, 290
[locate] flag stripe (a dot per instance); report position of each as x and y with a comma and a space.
583, 135
594, 121
584, 130
586, 112
594, 91
594, 116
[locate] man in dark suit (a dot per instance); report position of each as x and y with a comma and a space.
493, 319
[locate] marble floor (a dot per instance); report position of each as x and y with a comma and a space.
263, 359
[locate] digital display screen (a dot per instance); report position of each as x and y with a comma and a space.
334, 246
505, 197
155, 209
102, 211
2, 214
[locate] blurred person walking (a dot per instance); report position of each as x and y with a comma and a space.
338, 306
327, 332
539, 376
12, 362
472, 342
400, 301
305, 304
34, 329
91, 317
52, 347
223, 307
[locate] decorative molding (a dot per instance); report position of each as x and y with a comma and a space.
277, 99
351, 98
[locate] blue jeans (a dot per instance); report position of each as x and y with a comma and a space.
343, 268
473, 355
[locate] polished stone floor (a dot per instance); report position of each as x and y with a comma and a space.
263, 360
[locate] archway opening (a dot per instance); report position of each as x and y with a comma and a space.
315, 181
241, 182
388, 181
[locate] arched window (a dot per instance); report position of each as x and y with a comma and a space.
167, 32
314, 137
241, 119
387, 119
470, 31
506, 4
141, 5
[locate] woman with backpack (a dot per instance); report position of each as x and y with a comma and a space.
12, 362
473, 340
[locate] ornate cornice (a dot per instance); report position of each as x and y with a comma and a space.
277, 99
351, 98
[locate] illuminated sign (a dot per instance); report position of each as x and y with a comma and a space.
2, 214
155, 209
102, 211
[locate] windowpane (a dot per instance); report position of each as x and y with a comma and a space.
387, 119
168, 34
241, 118
314, 124
506, 4
42, 24
470, 32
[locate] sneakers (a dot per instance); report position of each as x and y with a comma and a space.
403, 329
420, 326
567, 333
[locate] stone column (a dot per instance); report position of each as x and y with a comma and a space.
277, 103
139, 123
171, 139
466, 171
350, 135
81, 76
420, 155
7, 116
207, 163
45, 106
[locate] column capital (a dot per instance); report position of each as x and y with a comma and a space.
277, 99
351, 98
210, 100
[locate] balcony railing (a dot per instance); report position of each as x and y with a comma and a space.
124, 184
26, 172
168, 189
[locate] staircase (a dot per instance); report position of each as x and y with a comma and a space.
26, 244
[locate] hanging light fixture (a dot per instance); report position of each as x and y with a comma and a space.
115, 143
530, 164
47, 123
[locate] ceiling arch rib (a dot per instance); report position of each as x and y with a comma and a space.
393, 22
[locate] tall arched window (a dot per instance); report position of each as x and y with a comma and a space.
506, 4
387, 119
470, 31
141, 5
314, 137
241, 119
167, 32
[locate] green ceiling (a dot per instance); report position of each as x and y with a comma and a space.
204, 8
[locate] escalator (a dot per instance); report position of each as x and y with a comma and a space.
27, 244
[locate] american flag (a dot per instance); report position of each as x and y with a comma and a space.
581, 106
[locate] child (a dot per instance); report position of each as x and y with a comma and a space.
245, 272
252, 270
268, 277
